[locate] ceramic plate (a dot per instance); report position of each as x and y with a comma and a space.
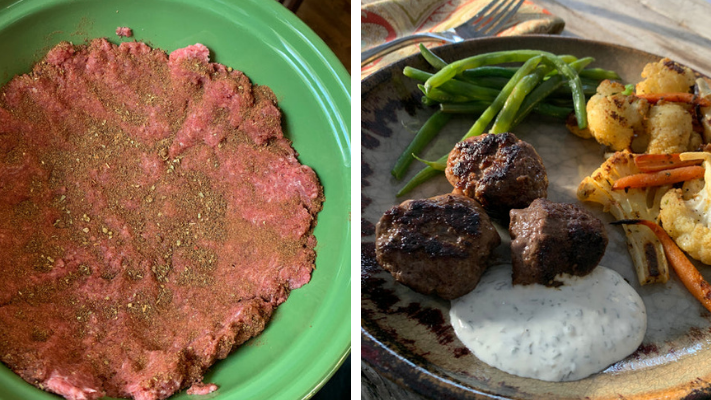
408, 336
310, 334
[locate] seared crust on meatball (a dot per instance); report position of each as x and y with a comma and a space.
550, 238
438, 245
498, 170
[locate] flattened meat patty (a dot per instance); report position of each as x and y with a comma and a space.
550, 238
152, 217
498, 170
439, 245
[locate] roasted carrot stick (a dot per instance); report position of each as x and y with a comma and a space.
654, 98
660, 162
689, 275
666, 177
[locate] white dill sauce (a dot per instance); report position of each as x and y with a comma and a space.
552, 334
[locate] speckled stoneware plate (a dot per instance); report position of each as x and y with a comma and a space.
408, 336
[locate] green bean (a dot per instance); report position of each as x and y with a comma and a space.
522, 82
470, 91
599, 74
594, 74
428, 172
589, 89
416, 74
568, 58
451, 70
432, 58
493, 82
454, 86
424, 136
434, 164
576, 90
482, 122
471, 107
499, 57
551, 111
478, 87
476, 107
576, 65
489, 114
506, 116
441, 96
560, 102
471, 64
428, 102
489, 71
544, 90
497, 82
424, 175
587, 81
586, 60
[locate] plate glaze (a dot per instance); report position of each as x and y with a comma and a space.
407, 336
309, 335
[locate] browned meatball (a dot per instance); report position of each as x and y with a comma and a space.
550, 238
500, 171
438, 245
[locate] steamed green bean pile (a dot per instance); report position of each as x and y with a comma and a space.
502, 96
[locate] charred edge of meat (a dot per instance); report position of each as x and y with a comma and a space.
458, 217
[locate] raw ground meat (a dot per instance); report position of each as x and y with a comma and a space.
124, 31
152, 217
202, 389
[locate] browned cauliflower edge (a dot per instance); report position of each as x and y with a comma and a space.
615, 119
644, 247
665, 76
686, 213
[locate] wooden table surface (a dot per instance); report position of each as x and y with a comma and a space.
331, 20
679, 30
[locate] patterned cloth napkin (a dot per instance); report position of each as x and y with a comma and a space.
384, 20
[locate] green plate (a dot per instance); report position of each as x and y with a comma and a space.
309, 336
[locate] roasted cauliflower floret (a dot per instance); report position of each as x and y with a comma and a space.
705, 117
645, 124
686, 213
669, 128
666, 76
609, 88
644, 247
615, 119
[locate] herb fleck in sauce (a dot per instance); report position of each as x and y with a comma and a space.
553, 334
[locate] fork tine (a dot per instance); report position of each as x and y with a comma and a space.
479, 15
484, 17
504, 17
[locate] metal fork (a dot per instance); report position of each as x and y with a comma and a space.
487, 22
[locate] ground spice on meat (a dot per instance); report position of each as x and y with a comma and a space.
152, 217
